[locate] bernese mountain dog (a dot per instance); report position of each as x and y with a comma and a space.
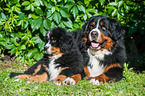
102, 38
62, 63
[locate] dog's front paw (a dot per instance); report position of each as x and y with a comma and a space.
59, 80
94, 82
69, 81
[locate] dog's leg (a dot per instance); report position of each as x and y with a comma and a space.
59, 80
40, 76
27, 74
111, 73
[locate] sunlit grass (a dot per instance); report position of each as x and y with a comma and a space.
133, 85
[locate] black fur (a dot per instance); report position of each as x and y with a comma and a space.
115, 32
71, 59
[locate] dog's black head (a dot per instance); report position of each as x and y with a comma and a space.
102, 32
58, 42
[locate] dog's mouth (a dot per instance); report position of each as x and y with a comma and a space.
96, 45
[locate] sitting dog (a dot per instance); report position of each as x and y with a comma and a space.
102, 38
62, 63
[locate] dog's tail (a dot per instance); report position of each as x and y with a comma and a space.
14, 74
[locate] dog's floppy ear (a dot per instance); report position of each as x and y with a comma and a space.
116, 29
66, 43
84, 27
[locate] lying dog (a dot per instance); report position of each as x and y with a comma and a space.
102, 38
62, 63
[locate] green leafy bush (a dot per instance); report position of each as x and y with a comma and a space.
23, 24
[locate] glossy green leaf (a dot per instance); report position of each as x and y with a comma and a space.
39, 12
113, 3
85, 17
62, 25
3, 15
64, 13
25, 3
9, 46
41, 45
75, 11
13, 51
68, 6
68, 23
36, 23
37, 39
114, 13
120, 3
47, 23
37, 2
32, 7
27, 8
32, 52
52, 9
48, 5
102, 1
38, 56
56, 17
81, 8
49, 14
23, 47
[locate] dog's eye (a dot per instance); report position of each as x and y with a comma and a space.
102, 23
93, 24
102, 26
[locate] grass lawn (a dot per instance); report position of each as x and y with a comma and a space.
133, 85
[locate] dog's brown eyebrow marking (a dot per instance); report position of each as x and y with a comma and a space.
93, 23
102, 23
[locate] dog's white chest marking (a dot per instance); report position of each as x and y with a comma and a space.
52, 70
95, 68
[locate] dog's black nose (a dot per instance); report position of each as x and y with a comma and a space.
94, 34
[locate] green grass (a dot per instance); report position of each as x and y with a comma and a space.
133, 85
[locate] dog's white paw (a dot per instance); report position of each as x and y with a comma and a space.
57, 83
69, 81
94, 82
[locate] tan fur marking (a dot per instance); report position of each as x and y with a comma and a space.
23, 77
56, 50
37, 69
63, 69
87, 73
85, 38
108, 43
102, 23
41, 78
76, 77
112, 66
102, 78
60, 79
93, 24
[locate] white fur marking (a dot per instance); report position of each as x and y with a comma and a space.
70, 80
95, 67
48, 45
94, 82
53, 71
